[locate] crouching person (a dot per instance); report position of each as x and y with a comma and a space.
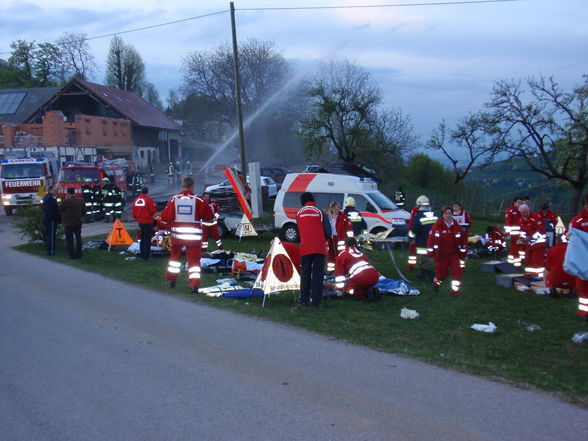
353, 267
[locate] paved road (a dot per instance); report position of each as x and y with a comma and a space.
88, 358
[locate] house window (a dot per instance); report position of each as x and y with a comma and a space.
163, 135
115, 128
104, 128
88, 124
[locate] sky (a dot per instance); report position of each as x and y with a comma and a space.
433, 62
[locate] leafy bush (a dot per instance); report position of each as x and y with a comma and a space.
29, 225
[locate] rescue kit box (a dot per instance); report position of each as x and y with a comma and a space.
507, 280
491, 266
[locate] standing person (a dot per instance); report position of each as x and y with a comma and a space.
152, 173
143, 210
314, 229
423, 221
512, 227
399, 197
534, 242
211, 228
188, 168
361, 276
108, 199
118, 202
447, 244
51, 217
412, 254
184, 215
73, 210
461, 216
88, 196
579, 225
341, 228
359, 225
178, 171
170, 173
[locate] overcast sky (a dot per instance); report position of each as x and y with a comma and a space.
433, 62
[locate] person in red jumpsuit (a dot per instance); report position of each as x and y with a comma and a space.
512, 227
341, 228
461, 216
534, 239
183, 215
549, 218
555, 276
580, 222
211, 228
495, 240
447, 244
352, 266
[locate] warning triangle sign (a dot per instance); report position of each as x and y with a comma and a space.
118, 235
244, 228
278, 272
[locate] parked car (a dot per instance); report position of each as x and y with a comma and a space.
276, 173
268, 186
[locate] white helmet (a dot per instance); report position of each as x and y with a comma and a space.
422, 200
350, 201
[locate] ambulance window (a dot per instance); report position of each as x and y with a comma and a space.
362, 204
292, 199
323, 200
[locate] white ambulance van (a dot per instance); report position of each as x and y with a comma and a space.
379, 212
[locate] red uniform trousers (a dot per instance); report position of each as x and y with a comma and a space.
358, 283
560, 279
535, 262
332, 254
582, 288
412, 255
207, 231
193, 254
443, 263
516, 252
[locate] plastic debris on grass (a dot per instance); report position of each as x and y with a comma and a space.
131, 258
406, 313
533, 327
580, 337
490, 327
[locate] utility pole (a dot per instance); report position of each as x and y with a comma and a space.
237, 78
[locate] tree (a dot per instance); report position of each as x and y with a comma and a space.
152, 95
345, 118
124, 67
549, 129
467, 144
77, 61
47, 64
209, 74
22, 57
423, 171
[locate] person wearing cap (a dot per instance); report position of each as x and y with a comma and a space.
143, 210
170, 173
107, 200
399, 197
447, 244
423, 221
359, 225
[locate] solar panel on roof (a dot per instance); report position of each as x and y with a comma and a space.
9, 102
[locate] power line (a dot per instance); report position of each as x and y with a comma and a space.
397, 5
145, 27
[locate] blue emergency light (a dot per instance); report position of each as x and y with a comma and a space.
40, 159
5, 161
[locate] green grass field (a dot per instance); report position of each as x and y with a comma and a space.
546, 359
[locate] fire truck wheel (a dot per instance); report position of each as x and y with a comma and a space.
8, 211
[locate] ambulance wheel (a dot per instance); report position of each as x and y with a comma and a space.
290, 233
8, 211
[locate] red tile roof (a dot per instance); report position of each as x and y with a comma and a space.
130, 105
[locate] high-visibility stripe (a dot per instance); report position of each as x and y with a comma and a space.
186, 230
171, 269
583, 300
187, 236
421, 251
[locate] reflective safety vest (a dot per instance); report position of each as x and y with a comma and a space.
350, 263
185, 226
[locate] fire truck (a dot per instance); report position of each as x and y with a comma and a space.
25, 180
78, 174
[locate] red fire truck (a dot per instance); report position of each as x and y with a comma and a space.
25, 180
77, 175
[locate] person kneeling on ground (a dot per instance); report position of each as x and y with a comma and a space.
352, 265
556, 279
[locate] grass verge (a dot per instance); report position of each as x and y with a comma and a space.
545, 360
